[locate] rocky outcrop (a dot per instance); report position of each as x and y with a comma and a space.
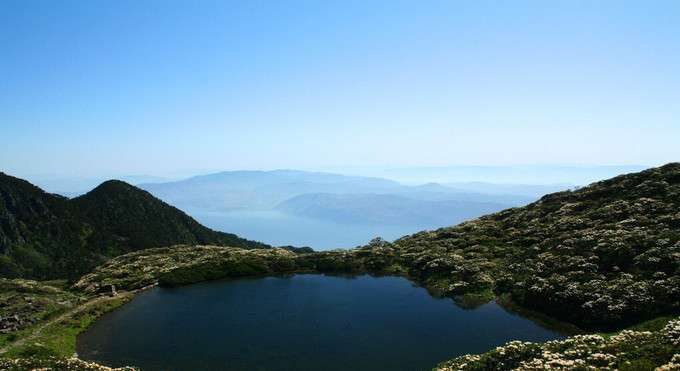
24, 303
10, 323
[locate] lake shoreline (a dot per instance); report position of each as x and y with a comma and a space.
104, 342
124, 297
184, 265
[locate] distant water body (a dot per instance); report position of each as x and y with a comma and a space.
300, 322
279, 229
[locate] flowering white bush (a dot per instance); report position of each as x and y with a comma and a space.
54, 364
672, 332
582, 352
673, 365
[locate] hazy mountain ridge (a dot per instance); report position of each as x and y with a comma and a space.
44, 235
314, 195
258, 189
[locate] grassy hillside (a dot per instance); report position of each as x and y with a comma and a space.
45, 236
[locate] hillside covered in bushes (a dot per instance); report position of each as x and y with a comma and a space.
603, 256
46, 236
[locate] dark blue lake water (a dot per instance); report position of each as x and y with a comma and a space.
301, 322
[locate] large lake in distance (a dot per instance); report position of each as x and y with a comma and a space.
280, 229
298, 322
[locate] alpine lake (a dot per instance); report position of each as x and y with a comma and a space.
299, 322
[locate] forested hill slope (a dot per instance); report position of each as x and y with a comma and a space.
599, 256
116, 209
44, 235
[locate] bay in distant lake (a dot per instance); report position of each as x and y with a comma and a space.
300, 322
279, 229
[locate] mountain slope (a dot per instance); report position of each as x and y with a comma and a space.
133, 219
601, 256
44, 235
34, 224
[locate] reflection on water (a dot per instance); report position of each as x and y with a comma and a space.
301, 322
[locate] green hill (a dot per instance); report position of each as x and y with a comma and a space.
44, 235
602, 256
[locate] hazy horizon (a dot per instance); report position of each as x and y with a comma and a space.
567, 175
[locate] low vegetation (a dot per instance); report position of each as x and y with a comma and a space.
603, 257
634, 349
47, 317
54, 363
24, 303
184, 264
47, 236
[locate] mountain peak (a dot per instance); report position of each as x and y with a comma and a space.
47, 236
115, 185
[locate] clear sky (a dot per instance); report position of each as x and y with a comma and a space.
152, 87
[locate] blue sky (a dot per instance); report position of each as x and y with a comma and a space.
155, 87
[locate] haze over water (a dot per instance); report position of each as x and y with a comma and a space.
280, 229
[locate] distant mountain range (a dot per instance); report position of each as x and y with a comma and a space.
231, 190
43, 235
339, 198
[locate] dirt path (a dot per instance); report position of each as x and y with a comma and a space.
37, 330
